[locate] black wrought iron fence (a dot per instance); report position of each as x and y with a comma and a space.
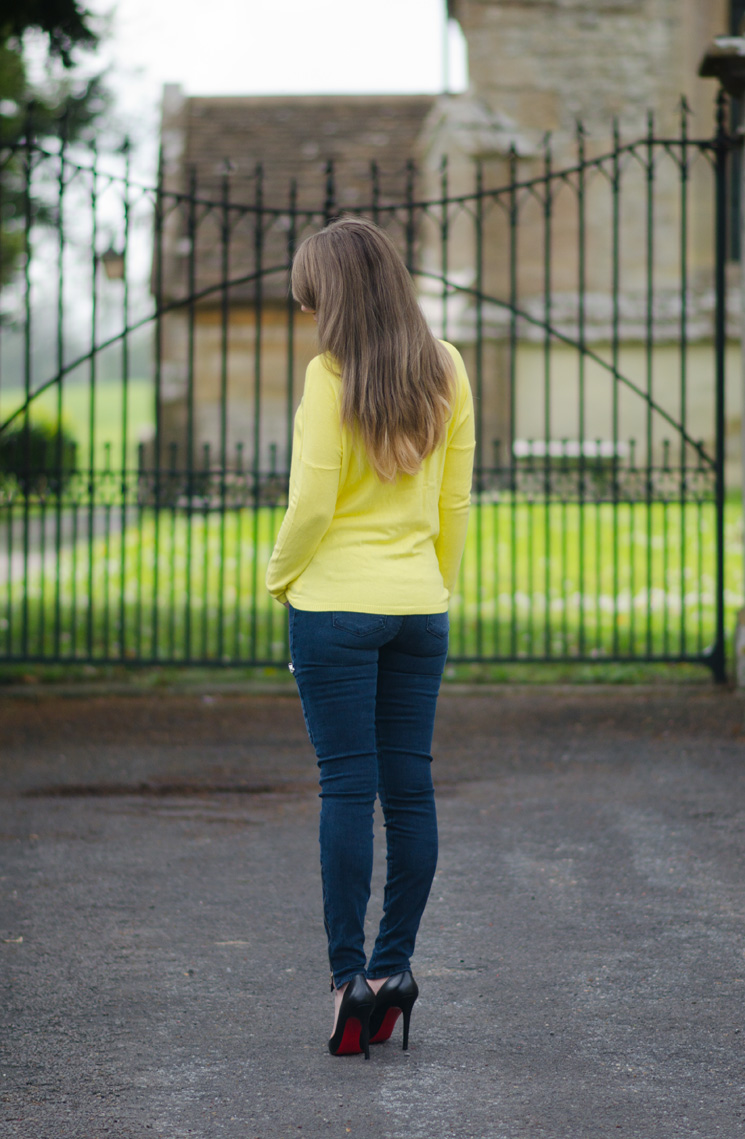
587, 293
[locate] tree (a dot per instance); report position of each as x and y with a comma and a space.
74, 97
66, 25
69, 102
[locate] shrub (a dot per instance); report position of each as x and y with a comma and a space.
39, 457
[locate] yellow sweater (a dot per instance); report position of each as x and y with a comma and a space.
350, 542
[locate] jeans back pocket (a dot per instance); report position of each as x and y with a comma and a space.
438, 624
359, 624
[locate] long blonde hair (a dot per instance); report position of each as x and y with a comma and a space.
397, 379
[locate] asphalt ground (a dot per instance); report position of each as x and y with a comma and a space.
581, 961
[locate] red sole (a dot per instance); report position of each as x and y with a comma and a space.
386, 1028
350, 1040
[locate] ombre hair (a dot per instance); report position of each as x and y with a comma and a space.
397, 379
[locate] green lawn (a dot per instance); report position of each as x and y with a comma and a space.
556, 583
111, 402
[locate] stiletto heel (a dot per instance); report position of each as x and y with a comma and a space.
352, 1032
407, 1019
395, 997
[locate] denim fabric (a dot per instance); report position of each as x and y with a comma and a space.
368, 686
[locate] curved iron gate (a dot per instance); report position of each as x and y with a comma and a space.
587, 314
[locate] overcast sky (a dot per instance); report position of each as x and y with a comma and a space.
262, 47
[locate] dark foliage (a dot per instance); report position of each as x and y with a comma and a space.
66, 106
38, 457
64, 22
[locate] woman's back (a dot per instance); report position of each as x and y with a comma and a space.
377, 546
365, 560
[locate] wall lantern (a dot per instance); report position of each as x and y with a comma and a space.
113, 264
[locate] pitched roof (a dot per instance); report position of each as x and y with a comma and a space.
254, 148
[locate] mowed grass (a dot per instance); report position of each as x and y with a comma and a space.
599, 581
115, 406
539, 582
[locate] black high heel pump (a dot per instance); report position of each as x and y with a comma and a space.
352, 1033
395, 997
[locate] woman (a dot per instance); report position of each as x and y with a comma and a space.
366, 559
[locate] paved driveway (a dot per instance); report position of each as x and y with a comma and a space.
581, 961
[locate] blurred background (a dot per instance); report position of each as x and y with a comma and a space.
565, 190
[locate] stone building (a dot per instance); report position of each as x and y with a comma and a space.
233, 357
537, 68
546, 63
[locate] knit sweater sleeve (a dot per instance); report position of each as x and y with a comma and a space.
314, 480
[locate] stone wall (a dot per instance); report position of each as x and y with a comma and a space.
280, 381
545, 63
537, 67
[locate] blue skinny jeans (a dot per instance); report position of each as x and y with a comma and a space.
368, 687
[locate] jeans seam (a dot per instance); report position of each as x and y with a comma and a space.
299, 690
377, 628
